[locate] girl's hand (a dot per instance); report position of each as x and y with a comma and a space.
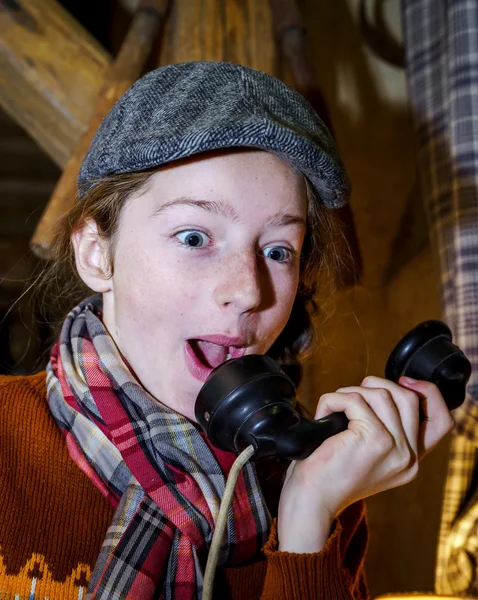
380, 450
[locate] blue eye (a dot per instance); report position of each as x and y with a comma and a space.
278, 253
193, 239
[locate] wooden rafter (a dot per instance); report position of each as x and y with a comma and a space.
121, 74
51, 70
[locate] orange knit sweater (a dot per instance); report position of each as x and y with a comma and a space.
53, 521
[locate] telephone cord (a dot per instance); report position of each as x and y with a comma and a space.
218, 535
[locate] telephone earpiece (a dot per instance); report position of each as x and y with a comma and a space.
427, 352
251, 401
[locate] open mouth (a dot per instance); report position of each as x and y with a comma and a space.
211, 355
203, 356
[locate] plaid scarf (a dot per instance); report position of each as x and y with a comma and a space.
161, 474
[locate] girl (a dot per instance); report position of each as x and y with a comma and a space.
201, 225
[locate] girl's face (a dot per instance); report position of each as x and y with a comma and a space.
206, 267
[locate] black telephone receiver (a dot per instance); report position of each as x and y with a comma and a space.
250, 400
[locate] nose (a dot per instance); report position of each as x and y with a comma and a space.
239, 283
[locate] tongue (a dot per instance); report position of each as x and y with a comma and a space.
212, 355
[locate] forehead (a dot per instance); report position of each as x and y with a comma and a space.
245, 179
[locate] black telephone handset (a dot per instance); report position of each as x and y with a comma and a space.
250, 400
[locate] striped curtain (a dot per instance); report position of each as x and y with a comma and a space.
441, 40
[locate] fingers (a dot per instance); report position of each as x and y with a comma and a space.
407, 403
391, 401
375, 419
438, 420
362, 418
383, 443
350, 402
385, 401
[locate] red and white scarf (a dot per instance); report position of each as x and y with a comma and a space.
162, 475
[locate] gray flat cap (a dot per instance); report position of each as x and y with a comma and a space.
179, 110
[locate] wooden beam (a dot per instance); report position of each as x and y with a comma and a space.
51, 70
224, 30
123, 72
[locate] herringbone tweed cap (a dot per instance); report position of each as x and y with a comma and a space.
180, 110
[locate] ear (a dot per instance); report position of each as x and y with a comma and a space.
92, 257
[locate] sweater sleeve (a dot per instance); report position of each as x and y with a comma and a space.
334, 573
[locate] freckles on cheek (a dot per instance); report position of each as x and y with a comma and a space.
287, 294
136, 281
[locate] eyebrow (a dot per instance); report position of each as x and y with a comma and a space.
217, 208
225, 210
284, 219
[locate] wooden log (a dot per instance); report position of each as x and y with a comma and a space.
51, 70
222, 30
124, 71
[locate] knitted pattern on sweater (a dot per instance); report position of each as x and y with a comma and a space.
53, 521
